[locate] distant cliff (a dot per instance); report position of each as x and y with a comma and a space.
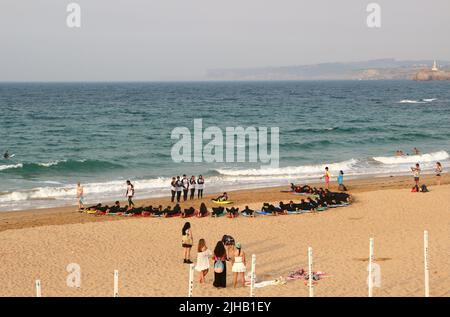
387, 69
426, 74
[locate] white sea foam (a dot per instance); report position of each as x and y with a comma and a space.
52, 163
5, 167
411, 101
428, 157
290, 170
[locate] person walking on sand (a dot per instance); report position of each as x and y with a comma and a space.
130, 194
187, 240
220, 266
203, 256
327, 176
173, 188
416, 172
80, 196
200, 186
438, 171
239, 264
340, 180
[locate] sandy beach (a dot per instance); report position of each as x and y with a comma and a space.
39, 244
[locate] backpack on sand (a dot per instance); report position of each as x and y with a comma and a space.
218, 266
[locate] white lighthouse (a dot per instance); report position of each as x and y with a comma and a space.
434, 68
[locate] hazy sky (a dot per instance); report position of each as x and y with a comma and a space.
182, 39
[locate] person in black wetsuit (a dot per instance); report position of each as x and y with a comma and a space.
217, 211
233, 212
6, 155
200, 186
178, 188
185, 183
188, 212
248, 212
203, 212
192, 185
173, 188
271, 209
159, 211
116, 208
168, 212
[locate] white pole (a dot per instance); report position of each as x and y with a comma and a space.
116, 283
191, 279
310, 272
253, 276
38, 288
370, 281
426, 266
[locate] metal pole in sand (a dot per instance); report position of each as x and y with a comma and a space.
370, 281
253, 277
191, 280
426, 265
38, 288
116, 283
310, 272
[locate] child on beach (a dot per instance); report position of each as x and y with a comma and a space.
238, 263
80, 196
416, 172
438, 171
340, 181
203, 256
327, 176
187, 241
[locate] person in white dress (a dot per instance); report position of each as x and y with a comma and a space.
239, 264
203, 256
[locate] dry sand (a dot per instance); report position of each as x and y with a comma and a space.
147, 251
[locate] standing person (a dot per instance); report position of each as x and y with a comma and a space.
179, 188
327, 176
187, 240
130, 194
239, 264
438, 170
340, 181
200, 186
185, 182
192, 184
220, 266
80, 196
173, 188
416, 172
416, 151
203, 256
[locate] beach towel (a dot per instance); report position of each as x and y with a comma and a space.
263, 213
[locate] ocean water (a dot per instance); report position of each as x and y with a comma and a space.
104, 133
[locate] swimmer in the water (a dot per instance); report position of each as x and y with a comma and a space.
6, 155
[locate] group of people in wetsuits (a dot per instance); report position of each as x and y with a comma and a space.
186, 186
158, 211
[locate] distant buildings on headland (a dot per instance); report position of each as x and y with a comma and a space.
432, 74
380, 69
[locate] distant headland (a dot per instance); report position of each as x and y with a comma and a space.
379, 69
432, 74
